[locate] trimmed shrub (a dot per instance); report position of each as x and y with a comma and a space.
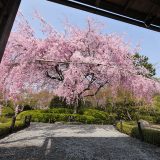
150, 135
128, 128
150, 119
5, 127
100, 116
8, 112
157, 119
95, 113
58, 111
62, 114
4, 119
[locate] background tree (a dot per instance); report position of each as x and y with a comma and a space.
143, 61
35, 100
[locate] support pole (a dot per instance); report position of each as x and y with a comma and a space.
7, 16
140, 131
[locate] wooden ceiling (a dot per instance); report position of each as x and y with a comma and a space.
143, 13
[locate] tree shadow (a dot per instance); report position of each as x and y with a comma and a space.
53, 142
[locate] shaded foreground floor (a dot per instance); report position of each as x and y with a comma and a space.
74, 142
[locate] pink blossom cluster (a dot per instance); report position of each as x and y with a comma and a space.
75, 64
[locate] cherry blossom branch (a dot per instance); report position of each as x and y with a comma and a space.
68, 62
98, 89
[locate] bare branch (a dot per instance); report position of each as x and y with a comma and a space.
59, 72
90, 83
98, 89
68, 62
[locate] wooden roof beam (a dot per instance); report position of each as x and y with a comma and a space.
156, 2
104, 13
1, 4
97, 3
151, 16
127, 5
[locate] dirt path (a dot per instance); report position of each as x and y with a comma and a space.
74, 142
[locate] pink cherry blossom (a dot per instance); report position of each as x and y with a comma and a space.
75, 64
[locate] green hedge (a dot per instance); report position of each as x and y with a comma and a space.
128, 128
4, 119
157, 119
57, 110
7, 112
101, 116
60, 114
5, 127
150, 135
151, 119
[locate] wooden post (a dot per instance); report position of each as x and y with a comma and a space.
121, 125
27, 120
12, 124
140, 131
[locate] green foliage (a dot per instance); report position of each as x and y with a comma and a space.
10, 104
96, 113
85, 104
57, 102
5, 127
148, 113
157, 119
124, 105
57, 110
38, 100
8, 112
125, 110
141, 60
156, 102
62, 114
101, 116
150, 135
4, 119
150, 119
128, 128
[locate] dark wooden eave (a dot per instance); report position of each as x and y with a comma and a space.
143, 13
8, 10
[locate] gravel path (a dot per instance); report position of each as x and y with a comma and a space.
74, 142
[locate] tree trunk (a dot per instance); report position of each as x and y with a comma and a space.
129, 116
0, 110
77, 106
75, 109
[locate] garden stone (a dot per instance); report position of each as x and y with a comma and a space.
144, 123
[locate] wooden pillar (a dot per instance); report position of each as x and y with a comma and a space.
8, 11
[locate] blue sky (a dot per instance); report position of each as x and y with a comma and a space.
55, 14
